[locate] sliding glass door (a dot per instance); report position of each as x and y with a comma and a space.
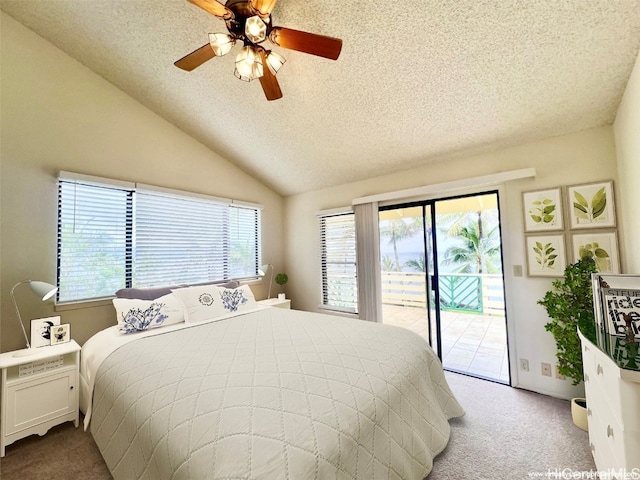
441, 265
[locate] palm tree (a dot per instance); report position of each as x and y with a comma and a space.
477, 249
387, 264
398, 229
417, 264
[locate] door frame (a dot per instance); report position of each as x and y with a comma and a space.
430, 202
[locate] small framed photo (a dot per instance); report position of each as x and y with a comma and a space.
546, 255
591, 205
543, 210
601, 246
41, 331
60, 333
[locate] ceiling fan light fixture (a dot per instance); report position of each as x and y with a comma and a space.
255, 29
248, 64
275, 61
221, 43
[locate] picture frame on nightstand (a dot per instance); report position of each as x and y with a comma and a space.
60, 334
41, 331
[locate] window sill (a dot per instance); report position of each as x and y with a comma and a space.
63, 307
337, 312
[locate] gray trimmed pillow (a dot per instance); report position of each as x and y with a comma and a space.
157, 292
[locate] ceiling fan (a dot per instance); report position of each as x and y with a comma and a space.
249, 21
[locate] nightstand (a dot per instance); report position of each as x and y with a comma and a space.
276, 302
38, 391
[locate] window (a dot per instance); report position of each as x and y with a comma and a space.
114, 235
338, 258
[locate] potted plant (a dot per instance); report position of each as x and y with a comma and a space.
281, 279
569, 304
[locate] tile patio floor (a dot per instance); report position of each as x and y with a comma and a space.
474, 344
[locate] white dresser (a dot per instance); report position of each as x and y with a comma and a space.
613, 411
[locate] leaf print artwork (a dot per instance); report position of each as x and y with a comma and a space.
545, 254
596, 253
543, 211
590, 211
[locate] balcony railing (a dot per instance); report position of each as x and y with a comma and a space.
476, 293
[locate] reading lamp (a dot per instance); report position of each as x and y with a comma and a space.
262, 271
44, 291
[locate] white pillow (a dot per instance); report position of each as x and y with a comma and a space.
210, 302
137, 315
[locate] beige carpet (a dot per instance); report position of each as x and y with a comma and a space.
506, 434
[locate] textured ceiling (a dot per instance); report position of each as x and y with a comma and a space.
416, 82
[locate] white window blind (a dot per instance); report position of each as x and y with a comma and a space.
244, 241
178, 240
112, 237
338, 262
94, 231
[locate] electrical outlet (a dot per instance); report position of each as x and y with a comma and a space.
524, 364
559, 376
546, 369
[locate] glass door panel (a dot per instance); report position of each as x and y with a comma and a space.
402, 267
441, 266
470, 281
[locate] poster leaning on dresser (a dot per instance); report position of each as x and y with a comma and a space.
617, 304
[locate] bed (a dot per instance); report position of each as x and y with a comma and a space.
265, 393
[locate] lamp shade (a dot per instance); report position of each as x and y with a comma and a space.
275, 61
255, 29
221, 43
248, 64
43, 290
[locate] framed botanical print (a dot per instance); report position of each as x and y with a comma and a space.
591, 205
546, 255
601, 246
543, 210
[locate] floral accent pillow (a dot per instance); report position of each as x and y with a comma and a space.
138, 315
210, 302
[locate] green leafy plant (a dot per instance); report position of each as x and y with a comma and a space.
590, 210
569, 304
281, 279
545, 255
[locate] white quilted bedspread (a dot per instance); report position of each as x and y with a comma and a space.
275, 394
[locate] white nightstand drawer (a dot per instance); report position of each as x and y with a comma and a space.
39, 400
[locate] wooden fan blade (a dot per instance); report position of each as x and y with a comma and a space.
268, 81
263, 7
195, 58
327, 47
214, 8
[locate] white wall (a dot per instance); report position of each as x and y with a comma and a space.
58, 115
572, 159
627, 134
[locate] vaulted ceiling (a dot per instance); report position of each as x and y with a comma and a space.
417, 82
